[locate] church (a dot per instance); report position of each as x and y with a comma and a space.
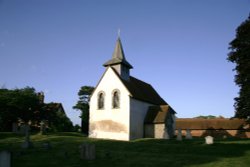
123, 107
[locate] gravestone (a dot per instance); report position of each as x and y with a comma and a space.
165, 135
5, 159
42, 128
209, 140
179, 135
87, 151
188, 134
22, 129
14, 127
27, 143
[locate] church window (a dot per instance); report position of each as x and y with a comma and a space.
116, 99
100, 100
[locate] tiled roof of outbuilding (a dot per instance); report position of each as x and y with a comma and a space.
200, 124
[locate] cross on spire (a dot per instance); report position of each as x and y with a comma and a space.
119, 32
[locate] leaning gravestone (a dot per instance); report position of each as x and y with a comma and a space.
27, 143
209, 140
5, 159
179, 135
188, 134
87, 151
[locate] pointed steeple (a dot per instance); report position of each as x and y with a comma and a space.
118, 56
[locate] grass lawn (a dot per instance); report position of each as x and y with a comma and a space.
142, 152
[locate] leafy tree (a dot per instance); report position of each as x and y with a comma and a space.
17, 104
83, 105
240, 55
27, 105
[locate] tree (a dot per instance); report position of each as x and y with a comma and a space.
240, 55
17, 104
83, 105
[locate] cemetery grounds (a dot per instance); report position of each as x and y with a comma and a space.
64, 151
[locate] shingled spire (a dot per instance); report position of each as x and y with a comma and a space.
119, 62
118, 56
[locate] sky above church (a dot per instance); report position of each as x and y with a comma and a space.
179, 47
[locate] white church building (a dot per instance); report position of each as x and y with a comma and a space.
123, 107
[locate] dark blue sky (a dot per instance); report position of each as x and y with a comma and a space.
179, 47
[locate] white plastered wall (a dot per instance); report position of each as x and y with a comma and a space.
109, 123
138, 111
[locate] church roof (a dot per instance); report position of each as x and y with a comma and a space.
158, 114
118, 56
143, 91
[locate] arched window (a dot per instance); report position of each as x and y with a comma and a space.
116, 99
100, 103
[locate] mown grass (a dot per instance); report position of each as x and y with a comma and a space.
142, 152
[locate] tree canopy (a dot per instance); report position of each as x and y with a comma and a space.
83, 105
27, 105
17, 104
240, 55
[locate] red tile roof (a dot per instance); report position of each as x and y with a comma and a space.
202, 124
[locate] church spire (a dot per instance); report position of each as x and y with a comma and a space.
118, 56
119, 62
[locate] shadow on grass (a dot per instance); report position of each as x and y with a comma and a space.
4, 135
142, 152
152, 152
76, 134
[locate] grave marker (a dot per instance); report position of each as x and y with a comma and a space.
42, 128
87, 151
14, 127
209, 140
179, 135
27, 143
5, 159
188, 134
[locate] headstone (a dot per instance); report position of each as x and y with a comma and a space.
22, 129
27, 143
14, 127
42, 128
188, 134
87, 151
179, 135
5, 159
165, 135
209, 140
